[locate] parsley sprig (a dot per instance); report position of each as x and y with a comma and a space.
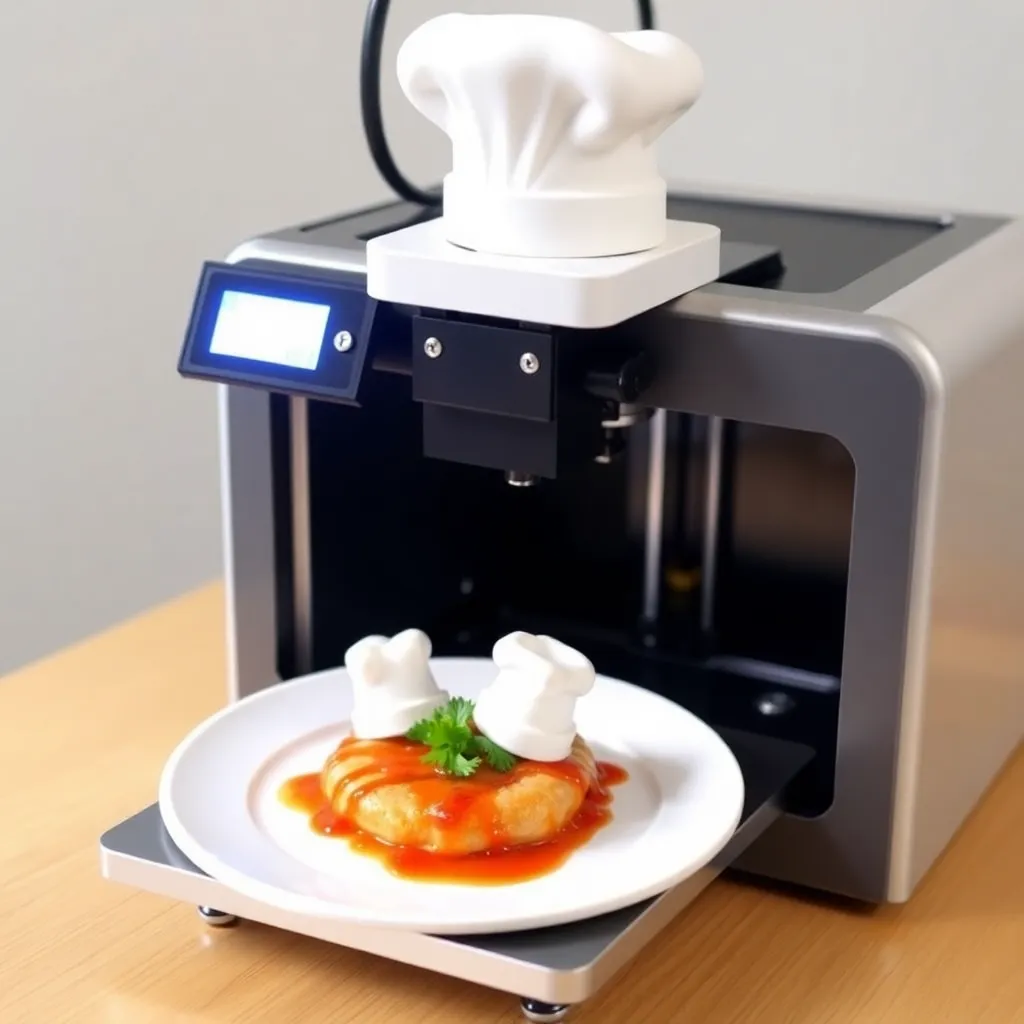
454, 747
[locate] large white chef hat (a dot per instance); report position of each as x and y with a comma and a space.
553, 124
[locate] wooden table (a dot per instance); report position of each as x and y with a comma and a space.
84, 736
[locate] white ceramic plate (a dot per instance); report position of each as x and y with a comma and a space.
218, 798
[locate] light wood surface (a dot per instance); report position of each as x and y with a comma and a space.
85, 734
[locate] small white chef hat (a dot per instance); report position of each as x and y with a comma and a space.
552, 124
393, 686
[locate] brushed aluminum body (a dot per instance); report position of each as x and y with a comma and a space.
915, 366
911, 366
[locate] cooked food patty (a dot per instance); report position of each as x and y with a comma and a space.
384, 788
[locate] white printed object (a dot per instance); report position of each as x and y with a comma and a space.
554, 210
553, 124
393, 686
529, 709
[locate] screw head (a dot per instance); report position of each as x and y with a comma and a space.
343, 341
529, 363
433, 347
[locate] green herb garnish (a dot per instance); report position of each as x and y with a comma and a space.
454, 747
499, 759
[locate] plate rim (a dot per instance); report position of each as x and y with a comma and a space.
275, 896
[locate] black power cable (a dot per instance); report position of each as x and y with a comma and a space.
645, 9
369, 98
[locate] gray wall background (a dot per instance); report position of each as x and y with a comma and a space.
137, 139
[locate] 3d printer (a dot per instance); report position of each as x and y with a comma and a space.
766, 468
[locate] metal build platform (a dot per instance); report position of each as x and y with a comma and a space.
556, 966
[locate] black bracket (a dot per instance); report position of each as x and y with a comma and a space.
527, 399
501, 396
500, 371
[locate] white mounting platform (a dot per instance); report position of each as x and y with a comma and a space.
418, 266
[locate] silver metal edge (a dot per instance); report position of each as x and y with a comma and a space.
300, 254
653, 529
712, 505
227, 541
302, 552
248, 556
917, 302
882, 330
430, 952
433, 953
438, 953
797, 318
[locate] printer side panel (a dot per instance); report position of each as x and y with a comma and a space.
931, 702
247, 510
967, 718
833, 374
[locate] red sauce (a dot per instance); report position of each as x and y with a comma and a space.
446, 805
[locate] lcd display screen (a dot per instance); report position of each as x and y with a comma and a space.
269, 329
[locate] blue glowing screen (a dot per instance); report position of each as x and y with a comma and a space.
269, 329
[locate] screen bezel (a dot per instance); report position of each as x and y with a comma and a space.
337, 373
